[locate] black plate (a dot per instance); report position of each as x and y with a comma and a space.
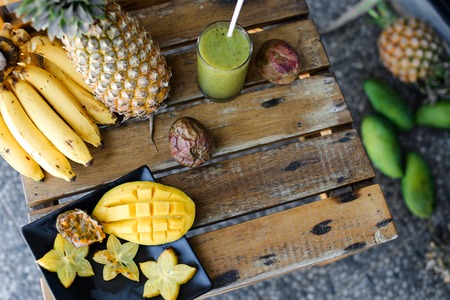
40, 235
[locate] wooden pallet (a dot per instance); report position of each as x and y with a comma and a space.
290, 184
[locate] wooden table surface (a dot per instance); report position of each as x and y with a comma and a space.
290, 184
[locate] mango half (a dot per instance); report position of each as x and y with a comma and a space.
145, 212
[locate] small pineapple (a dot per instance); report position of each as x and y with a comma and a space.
114, 54
409, 48
413, 52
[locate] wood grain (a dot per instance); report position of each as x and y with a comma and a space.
258, 181
239, 186
130, 5
181, 21
266, 247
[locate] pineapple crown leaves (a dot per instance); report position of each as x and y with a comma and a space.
382, 14
61, 17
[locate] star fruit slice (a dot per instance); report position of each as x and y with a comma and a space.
67, 261
118, 259
165, 276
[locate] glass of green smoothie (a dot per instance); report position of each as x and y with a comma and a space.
222, 61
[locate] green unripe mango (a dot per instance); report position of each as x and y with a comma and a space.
387, 102
434, 115
382, 145
417, 186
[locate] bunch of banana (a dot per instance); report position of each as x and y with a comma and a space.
48, 114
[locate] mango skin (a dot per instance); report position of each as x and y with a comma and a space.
434, 115
382, 145
145, 212
387, 102
417, 186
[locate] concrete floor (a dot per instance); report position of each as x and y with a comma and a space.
395, 270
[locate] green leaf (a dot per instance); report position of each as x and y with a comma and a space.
55, 16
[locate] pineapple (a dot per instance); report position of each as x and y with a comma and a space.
409, 48
114, 54
413, 52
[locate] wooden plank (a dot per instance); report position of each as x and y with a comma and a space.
255, 118
181, 21
239, 186
302, 35
130, 5
269, 178
166, 20
46, 292
248, 252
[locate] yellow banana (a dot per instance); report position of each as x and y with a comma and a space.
53, 51
95, 108
49, 123
31, 139
16, 157
62, 102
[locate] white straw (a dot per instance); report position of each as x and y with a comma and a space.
236, 12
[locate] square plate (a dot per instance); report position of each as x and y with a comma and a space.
40, 235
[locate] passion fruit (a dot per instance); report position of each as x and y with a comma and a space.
278, 61
190, 143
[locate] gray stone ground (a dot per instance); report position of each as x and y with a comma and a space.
395, 270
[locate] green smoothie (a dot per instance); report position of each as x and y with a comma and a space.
222, 61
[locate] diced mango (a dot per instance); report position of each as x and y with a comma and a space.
154, 213
100, 213
131, 237
113, 200
120, 212
143, 209
177, 209
161, 194
146, 238
161, 208
144, 193
173, 235
144, 225
159, 237
175, 223
159, 224
121, 227
128, 196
